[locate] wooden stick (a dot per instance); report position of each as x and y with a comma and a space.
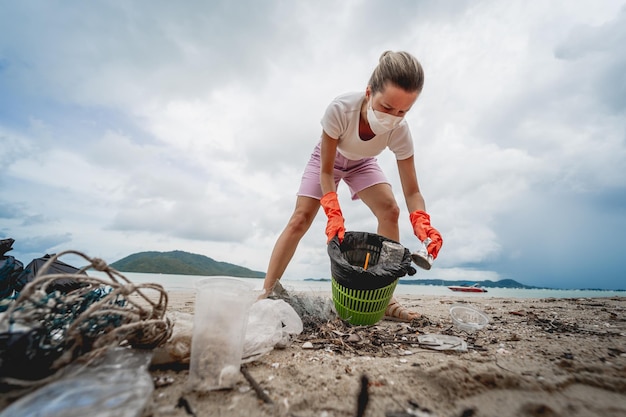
363, 397
367, 260
255, 385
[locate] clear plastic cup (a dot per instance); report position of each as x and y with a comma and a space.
219, 327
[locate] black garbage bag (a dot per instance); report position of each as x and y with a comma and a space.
10, 269
63, 285
22, 358
347, 261
6, 245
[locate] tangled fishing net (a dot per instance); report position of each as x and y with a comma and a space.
44, 329
313, 309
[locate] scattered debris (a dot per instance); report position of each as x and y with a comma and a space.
163, 381
413, 410
184, 404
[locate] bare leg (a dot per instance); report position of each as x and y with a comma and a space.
303, 215
379, 198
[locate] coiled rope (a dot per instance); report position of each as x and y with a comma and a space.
85, 322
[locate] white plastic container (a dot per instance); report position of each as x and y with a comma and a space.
468, 318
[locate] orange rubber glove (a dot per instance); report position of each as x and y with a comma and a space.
423, 230
334, 226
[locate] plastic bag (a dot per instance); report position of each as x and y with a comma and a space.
270, 324
118, 386
352, 267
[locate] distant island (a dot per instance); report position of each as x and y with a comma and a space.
184, 263
181, 263
503, 283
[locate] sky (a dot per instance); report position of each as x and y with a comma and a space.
131, 126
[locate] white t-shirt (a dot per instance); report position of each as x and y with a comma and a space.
341, 121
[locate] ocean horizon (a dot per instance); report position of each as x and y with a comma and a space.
173, 282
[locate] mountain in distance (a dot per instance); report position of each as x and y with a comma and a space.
503, 283
181, 263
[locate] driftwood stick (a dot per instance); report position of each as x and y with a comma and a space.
184, 404
363, 397
255, 385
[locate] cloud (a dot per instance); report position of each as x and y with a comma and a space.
187, 126
10, 211
42, 244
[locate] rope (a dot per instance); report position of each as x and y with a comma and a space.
86, 322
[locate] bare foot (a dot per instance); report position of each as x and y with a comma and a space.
397, 312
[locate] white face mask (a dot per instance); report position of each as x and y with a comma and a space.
381, 122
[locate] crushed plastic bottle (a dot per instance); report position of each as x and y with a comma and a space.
391, 253
119, 385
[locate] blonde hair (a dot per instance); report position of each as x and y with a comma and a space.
401, 69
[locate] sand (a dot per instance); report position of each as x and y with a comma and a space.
536, 357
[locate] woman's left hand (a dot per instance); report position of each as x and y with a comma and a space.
423, 230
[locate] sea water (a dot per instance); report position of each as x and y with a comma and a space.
173, 282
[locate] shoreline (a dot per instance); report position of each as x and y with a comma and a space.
173, 282
187, 283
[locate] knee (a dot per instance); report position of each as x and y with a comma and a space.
299, 223
390, 213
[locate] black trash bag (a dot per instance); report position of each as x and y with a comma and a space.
10, 270
347, 261
6, 245
21, 357
64, 285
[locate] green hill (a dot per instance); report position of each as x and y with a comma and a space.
503, 283
181, 263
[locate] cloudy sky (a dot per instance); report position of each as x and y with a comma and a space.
130, 126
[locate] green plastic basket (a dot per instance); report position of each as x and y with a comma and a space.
362, 307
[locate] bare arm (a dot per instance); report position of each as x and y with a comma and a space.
410, 188
420, 220
328, 152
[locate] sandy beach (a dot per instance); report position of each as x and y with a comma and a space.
536, 357
546, 357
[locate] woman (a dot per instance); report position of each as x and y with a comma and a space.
356, 128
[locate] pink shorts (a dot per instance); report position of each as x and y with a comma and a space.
358, 175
